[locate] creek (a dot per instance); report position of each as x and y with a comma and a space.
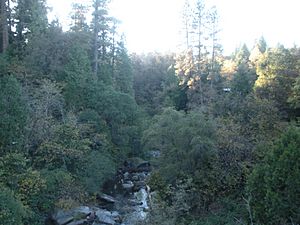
125, 201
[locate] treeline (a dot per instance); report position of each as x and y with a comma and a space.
68, 113
233, 157
229, 145
74, 105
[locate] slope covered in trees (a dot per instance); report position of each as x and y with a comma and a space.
74, 105
68, 114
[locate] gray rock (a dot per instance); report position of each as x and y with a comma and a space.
142, 176
126, 175
107, 198
135, 177
117, 217
75, 216
82, 212
155, 153
128, 185
103, 212
62, 218
115, 214
78, 222
96, 223
104, 216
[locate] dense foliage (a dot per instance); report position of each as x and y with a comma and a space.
222, 132
274, 184
68, 115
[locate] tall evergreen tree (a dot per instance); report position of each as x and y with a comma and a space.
243, 80
13, 115
78, 17
101, 29
276, 71
30, 19
214, 75
200, 16
257, 52
274, 185
123, 75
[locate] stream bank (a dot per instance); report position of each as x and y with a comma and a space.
125, 201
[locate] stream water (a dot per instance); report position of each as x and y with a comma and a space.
126, 204
133, 214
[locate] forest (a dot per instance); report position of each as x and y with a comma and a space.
221, 132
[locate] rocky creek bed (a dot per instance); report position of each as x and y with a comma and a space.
126, 201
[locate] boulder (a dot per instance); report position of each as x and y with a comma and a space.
117, 217
104, 216
155, 153
142, 176
75, 216
106, 198
128, 185
81, 212
78, 222
62, 218
135, 177
126, 176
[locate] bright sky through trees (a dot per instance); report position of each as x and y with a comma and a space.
153, 25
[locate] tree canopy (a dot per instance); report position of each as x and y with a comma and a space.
220, 131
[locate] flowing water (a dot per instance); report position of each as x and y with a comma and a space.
128, 204
138, 212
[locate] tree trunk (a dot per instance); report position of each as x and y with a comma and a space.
213, 56
113, 53
187, 35
96, 44
96, 55
9, 18
199, 55
4, 26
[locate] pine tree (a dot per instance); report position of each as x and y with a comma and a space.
101, 31
79, 22
274, 185
30, 20
276, 71
123, 75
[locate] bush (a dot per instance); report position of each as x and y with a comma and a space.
274, 186
11, 210
13, 114
61, 186
187, 142
98, 167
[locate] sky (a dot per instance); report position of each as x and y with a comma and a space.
154, 25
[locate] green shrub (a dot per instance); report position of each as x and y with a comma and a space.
12, 211
61, 185
98, 167
274, 186
13, 114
